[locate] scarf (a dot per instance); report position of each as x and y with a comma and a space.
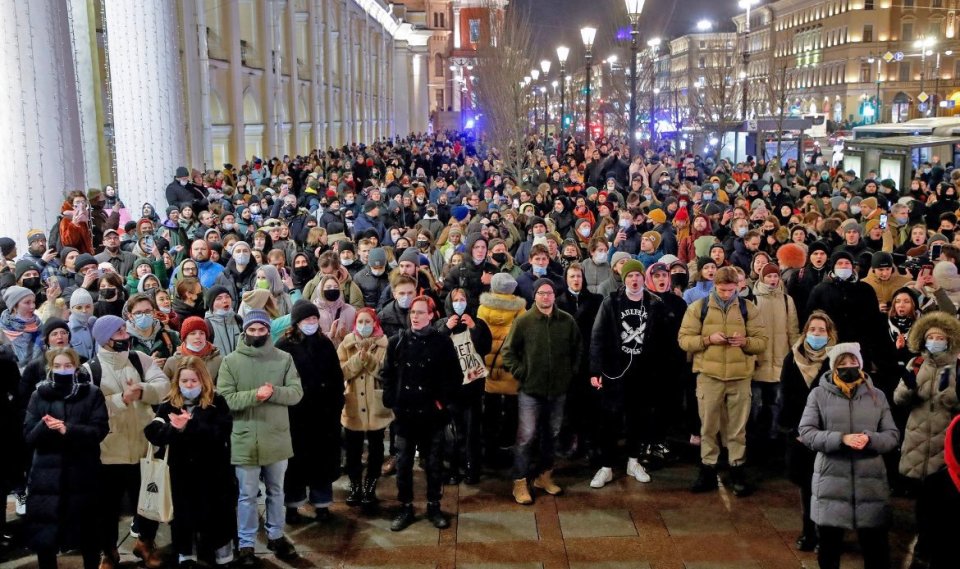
847, 388
808, 360
185, 351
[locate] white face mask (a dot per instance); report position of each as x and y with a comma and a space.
600, 257
843, 274
309, 329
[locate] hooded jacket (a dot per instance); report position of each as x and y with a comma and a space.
499, 311
932, 401
779, 316
237, 282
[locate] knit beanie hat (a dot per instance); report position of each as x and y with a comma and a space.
657, 215
377, 257
844, 348
503, 283
54, 324
23, 266
193, 324
655, 237
881, 260
943, 270
410, 255
84, 259
840, 255
80, 297
704, 261
14, 294
851, 225
212, 294
818, 246
543, 281
870, 202
618, 256
302, 310
256, 316
64, 251
769, 269
105, 327
631, 266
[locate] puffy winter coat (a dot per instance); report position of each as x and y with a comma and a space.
595, 275
363, 408
933, 401
779, 316
261, 429
885, 289
849, 486
722, 361
63, 487
499, 311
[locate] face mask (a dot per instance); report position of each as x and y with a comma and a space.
855, 209
191, 393
263, 284
500, 258
108, 293
254, 210
625, 223
848, 374
817, 342
228, 226
539, 271
365, 330
331, 295
196, 347
143, 321
422, 244
346, 262
539, 235
182, 182
609, 232
936, 346
310, 329
120, 345
902, 220
32, 283
600, 258
377, 272
843, 274
255, 341
585, 231
405, 302
459, 307
741, 231
165, 309
222, 312
64, 374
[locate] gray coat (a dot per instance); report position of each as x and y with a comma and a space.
849, 486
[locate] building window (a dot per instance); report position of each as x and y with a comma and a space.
474, 31
440, 100
936, 4
934, 29
702, 62
865, 72
906, 31
956, 68
904, 73
438, 65
868, 33
443, 20
908, 4
868, 4
703, 44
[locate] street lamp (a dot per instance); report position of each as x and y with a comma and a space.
562, 53
545, 67
588, 34
654, 45
924, 44
704, 25
634, 9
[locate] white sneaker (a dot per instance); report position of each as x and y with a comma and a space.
636, 470
21, 504
601, 478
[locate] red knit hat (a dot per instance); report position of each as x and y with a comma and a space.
769, 269
193, 324
681, 215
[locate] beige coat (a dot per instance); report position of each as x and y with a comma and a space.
779, 316
126, 444
722, 361
211, 361
363, 408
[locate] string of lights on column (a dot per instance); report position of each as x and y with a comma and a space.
110, 127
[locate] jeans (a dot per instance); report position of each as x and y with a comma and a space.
354, 443
429, 439
537, 415
873, 543
117, 481
248, 478
766, 396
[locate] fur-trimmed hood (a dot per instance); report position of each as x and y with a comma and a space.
942, 320
507, 302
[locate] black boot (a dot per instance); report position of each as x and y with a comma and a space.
472, 475
356, 493
403, 518
807, 542
739, 483
295, 518
706, 480
369, 497
436, 516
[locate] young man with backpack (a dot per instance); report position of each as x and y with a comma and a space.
724, 333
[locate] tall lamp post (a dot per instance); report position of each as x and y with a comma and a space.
588, 34
924, 44
535, 76
562, 53
545, 67
634, 8
654, 45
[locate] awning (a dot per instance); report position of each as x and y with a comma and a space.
901, 98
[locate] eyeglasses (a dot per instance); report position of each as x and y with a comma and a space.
545, 293
141, 313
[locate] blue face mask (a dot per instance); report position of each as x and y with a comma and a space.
191, 393
459, 307
936, 346
365, 330
143, 321
539, 271
817, 342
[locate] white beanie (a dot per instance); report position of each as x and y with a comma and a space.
852, 348
80, 297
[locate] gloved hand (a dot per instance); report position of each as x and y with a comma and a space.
909, 379
944, 380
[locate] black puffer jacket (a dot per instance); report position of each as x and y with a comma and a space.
371, 285
421, 377
63, 487
237, 283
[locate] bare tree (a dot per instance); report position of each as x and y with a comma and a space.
715, 101
501, 66
775, 92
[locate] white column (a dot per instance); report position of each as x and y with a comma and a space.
401, 89
196, 65
456, 28
231, 33
419, 104
318, 94
147, 98
87, 91
292, 142
39, 116
267, 26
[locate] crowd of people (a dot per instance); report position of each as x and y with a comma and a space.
416, 297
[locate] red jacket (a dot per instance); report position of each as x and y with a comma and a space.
74, 235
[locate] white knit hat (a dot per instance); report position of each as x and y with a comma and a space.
80, 297
852, 348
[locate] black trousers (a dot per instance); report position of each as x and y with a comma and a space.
354, 443
466, 424
621, 406
119, 481
874, 546
428, 439
499, 422
48, 559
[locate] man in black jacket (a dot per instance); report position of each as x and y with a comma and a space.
475, 272
181, 193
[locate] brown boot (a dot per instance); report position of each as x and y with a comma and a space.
147, 552
521, 493
110, 560
545, 482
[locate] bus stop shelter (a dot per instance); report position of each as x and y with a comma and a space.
897, 157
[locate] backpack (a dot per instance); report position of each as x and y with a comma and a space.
705, 305
53, 240
96, 368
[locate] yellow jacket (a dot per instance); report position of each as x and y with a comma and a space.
499, 311
722, 361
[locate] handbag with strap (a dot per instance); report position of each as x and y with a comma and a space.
156, 496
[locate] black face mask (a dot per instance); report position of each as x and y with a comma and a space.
679, 280
500, 258
331, 295
255, 341
848, 374
108, 294
120, 345
32, 283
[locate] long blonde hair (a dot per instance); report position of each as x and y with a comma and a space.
197, 366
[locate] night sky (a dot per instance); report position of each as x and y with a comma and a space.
559, 21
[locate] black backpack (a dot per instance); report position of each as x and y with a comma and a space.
705, 305
53, 240
96, 368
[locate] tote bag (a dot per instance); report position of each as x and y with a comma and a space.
156, 497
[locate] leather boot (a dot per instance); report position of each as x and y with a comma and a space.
356, 493
545, 482
369, 497
521, 493
706, 480
403, 518
146, 550
110, 559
